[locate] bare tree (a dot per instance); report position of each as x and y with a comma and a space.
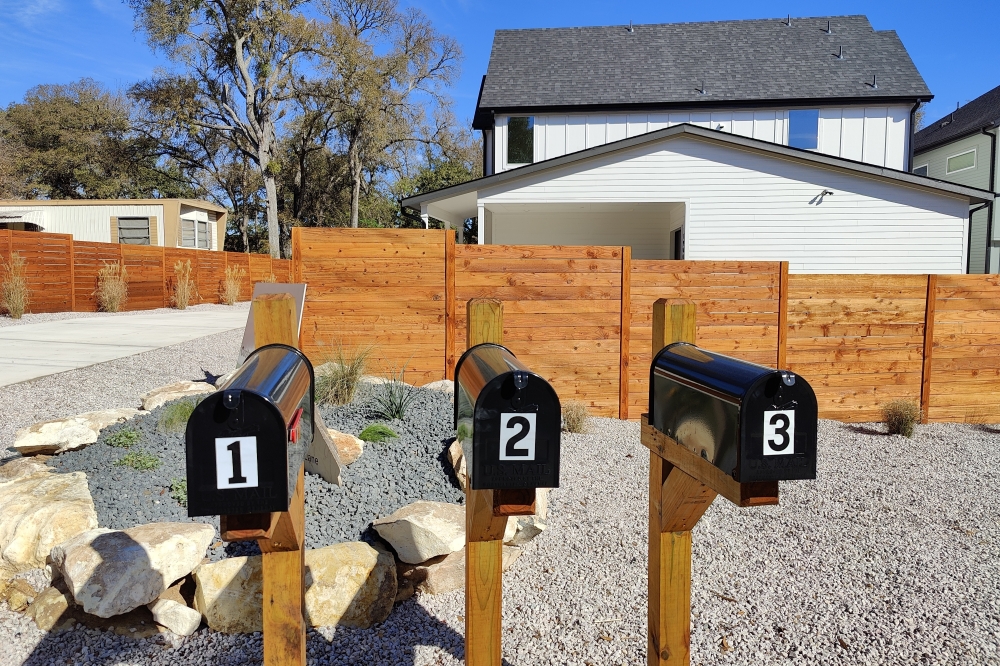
384, 64
240, 58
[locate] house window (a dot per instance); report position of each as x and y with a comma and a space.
679, 243
521, 140
803, 128
920, 170
194, 233
962, 161
133, 230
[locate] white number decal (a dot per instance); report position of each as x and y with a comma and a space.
235, 462
779, 433
517, 437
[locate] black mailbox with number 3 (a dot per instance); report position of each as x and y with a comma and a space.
246, 442
508, 421
753, 422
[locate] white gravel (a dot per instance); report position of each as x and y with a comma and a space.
41, 317
892, 556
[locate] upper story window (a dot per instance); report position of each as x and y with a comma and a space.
133, 230
920, 170
521, 140
962, 161
803, 128
194, 233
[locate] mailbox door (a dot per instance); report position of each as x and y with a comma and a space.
237, 459
778, 424
516, 435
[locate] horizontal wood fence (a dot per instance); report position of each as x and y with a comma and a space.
62, 273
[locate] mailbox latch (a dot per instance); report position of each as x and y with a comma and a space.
293, 426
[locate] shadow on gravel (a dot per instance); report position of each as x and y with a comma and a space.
866, 430
990, 429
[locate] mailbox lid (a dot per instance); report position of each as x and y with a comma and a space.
475, 369
728, 377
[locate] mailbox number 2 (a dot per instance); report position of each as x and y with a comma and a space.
235, 462
779, 433
517, 436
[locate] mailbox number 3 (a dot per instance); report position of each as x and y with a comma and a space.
517, 436
779, 433
235, 462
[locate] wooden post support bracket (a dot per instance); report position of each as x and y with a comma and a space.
682, 486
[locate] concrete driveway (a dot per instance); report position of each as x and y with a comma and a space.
34, 350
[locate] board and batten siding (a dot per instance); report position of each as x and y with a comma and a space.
86, 222
748, 206
876, 135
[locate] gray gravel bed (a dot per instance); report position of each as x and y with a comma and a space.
41, 317
117, 383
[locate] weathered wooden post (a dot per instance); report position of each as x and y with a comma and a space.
719, 426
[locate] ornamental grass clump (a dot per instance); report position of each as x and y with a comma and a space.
394, 397
175, 415
575, 416
232, 287
901, 417
338, 378
185, 290
14, 293
112, 287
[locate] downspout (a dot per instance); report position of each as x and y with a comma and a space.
410, 216
993, 188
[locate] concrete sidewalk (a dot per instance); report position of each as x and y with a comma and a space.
36, 350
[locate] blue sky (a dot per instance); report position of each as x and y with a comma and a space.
57, 41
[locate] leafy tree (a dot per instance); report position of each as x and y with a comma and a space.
239, 58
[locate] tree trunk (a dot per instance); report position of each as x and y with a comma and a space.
244, 229
273, 231
354, 163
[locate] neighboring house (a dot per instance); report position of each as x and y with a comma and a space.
962, 148
160, 222
737, 140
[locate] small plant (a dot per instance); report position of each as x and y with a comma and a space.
900, 417
394, 397
270, 278
179, 491
232, 288
337, 379
112, 287
140, 461
124, 438
14, 292
377, 432
574, 414
185, 290
175, 415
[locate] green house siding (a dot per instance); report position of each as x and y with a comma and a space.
936, 160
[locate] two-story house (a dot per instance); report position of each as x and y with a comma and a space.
785, 139
962, 148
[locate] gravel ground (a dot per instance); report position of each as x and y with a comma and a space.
41, 317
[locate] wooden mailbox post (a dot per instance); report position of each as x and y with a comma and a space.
682, 485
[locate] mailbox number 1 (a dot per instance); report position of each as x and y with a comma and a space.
779, 433
236, 462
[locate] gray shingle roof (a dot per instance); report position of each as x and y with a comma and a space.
668, 64
977, 114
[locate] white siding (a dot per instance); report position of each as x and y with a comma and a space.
877, 135
87, 222
744, 205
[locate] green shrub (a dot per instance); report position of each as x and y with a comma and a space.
900, 417
377, 432
175, 415
337, 379
139, 461
179, 491
394, 398
574, 414
124, 438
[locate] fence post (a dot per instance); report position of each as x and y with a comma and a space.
783, 316
449, 305
925, 370
72, 276
483, 530
626, 332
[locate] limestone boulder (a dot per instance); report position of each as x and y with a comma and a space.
51, 610
447, 573
230, 594
59, 435
349, 584
176, 617
443, 385
18, 594
39, 511
423, 530
457, 459
19, 467
349, 447
164, 394
113, 572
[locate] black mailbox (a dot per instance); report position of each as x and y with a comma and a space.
246, 442
508, 421
753, 422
